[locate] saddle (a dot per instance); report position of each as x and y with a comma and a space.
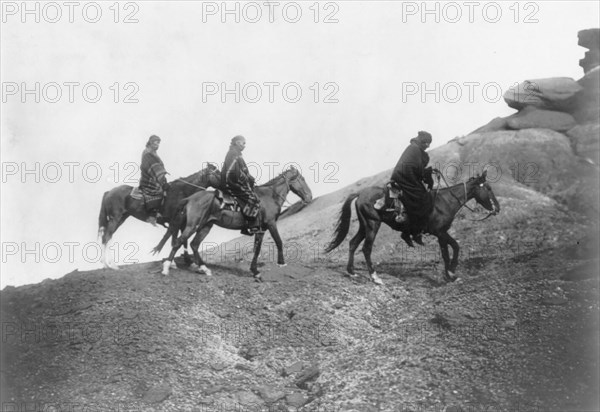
227, 201
390, 200
137, 194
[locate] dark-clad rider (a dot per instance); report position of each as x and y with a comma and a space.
410, 173
236, 179
153, 181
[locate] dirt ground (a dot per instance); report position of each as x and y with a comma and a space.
518, 331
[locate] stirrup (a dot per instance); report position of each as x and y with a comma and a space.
401, 218
152, 221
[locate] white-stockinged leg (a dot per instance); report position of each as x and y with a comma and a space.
106, 258
201, 269
166, 267
173, 265
376, 279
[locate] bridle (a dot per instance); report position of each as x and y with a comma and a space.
461, 202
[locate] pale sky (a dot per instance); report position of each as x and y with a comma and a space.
371, 61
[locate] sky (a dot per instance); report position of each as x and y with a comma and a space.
336, 88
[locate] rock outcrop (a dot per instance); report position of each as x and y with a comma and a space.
563, 113
557, 93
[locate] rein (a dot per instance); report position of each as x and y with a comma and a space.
188, 183
191, 184
462, 204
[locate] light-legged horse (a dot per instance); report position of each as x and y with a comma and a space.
203, 210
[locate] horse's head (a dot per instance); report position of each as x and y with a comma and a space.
483, 193
298, 184
210, 176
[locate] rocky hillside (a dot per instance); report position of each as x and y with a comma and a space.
519, 331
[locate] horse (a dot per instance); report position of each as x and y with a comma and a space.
203, 210
446, 204
117, 204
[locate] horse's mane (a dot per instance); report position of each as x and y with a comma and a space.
472, 178
275, 179
206, 170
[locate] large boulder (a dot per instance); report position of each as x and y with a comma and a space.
585, 140
590, 39
532, 118
586, 107
541, 159
496, 124
556, 93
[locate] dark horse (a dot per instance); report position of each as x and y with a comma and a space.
203, 209
117, 204
446, 203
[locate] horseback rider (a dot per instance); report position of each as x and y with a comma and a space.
236, 179
153, 180
410, 173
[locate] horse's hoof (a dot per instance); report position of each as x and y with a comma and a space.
258, 278
450, 276
206, 270
111, 266
376, 279
166, 267
173, 265
282, 265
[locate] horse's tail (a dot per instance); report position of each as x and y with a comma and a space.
343, 224
103, 218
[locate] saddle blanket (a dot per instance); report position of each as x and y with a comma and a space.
137, 194
228, 202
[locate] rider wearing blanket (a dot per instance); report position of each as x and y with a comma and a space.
153, 182
236, 179
410, 173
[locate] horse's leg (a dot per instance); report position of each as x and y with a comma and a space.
443, 240
372, 227
275, 235
189, 230
199, 265
455, 251
113, 224
354, 242
258, 238
197, 216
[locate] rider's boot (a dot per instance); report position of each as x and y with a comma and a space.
399, 212
406, 237
419, 239
254, 225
